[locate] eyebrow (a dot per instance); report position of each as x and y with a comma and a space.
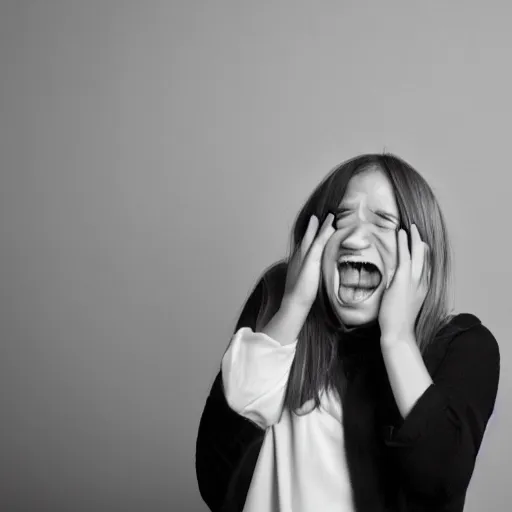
378, 212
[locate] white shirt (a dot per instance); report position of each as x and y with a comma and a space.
302, 463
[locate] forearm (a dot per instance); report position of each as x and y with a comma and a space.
407, 373
286, 324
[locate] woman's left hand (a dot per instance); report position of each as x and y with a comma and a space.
403, 298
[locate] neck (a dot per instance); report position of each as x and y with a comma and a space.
359, 339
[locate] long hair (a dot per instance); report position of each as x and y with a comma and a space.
316, 366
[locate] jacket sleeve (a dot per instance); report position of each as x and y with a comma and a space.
225, 438
435, 447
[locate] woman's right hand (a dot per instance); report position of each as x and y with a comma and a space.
303, 272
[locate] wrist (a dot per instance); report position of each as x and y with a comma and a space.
287, 323
392, 339
291, 307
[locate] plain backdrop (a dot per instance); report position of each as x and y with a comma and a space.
153, 157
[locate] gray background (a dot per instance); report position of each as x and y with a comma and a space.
153, 156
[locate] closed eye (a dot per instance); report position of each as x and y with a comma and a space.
342, 212
390, 226
342, 215
390, 222
387, 217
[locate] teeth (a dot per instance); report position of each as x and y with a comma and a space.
351, 259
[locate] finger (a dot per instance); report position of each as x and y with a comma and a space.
327, 229
309, 236
404, 258
417, 253
325, 233
427, 268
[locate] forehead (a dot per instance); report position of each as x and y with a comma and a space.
371, 186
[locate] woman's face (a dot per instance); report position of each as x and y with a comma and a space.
366, 225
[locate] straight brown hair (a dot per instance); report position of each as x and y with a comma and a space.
316, 366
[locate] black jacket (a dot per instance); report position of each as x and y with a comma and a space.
421, 464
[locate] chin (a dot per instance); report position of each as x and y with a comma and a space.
356, 318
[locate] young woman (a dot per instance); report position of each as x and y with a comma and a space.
348, 385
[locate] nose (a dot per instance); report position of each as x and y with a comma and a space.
358, 238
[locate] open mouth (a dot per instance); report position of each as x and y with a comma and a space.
358, 281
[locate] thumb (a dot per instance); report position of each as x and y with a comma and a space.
391, 274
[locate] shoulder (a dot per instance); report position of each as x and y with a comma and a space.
275, 274
265, 297
273, 280
469, 331
466, 339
